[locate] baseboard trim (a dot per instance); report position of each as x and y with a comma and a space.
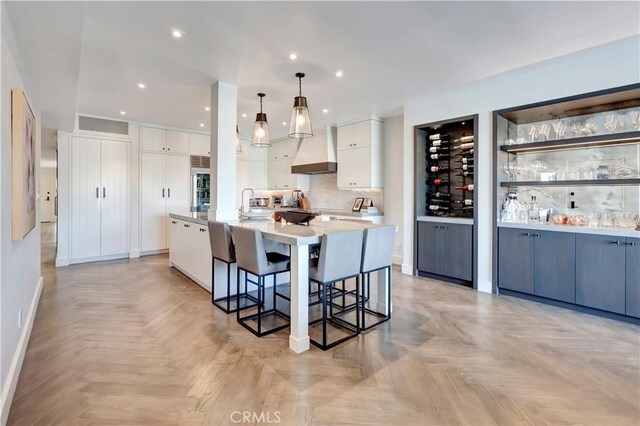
134, 254
407, 269
62, 261
485, 286
396, 260
99, 258
299, 345
9, 387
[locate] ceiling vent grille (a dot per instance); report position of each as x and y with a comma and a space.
200, 162
103, 125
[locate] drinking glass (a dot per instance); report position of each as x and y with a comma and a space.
533, 133
508, 172
576, 128
509, 142
605, 219
635, 119
520, 141
543, 131
610, 123
622, 122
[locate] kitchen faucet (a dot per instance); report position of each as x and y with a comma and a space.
242, 196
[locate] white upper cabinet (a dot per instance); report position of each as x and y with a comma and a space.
177, 142
153, 140
357, 135
283, 150
200, 144
360, 155
160, 140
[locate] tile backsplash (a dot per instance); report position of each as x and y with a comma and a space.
324, 193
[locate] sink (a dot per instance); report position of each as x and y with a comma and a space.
257, 214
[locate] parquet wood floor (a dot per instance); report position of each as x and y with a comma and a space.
136, 342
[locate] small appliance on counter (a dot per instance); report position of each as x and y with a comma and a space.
276, 200
259, 202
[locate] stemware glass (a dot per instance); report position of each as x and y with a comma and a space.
590, 128
622, 122
533, 133
635, 119
560, 127
576, 128
543, 131
610, 123
507, 170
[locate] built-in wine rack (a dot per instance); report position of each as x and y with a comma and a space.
450, 169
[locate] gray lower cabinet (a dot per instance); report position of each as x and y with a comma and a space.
555, 265
446, 249
429, 248
632, 253
600, 272
515, 266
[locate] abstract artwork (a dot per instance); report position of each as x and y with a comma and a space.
23, 146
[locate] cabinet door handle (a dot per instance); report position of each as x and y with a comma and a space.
630, 243
436, 226
526, 235
163, 148
97, 192
168, 192
615, 242
202, 230
186, 226
174, 222
104, 192
445, 227
168, 149
162, 192
537, 235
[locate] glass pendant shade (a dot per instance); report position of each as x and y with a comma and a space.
300, 126
261, 128
238, 142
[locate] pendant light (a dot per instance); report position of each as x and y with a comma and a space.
238, 142
300, 123
261, 128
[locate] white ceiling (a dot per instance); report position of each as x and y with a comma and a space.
88, 56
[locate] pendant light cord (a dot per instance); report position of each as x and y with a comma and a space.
300, 85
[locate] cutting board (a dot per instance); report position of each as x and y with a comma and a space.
304, 203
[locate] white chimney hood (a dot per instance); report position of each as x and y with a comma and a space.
317, 154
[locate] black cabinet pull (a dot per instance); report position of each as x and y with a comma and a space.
615, 242
186, 226
168, 192
537, 235
202, 230
162, 192
436, 226
97, 192
174, 222
104, 192
526, 235
632, 244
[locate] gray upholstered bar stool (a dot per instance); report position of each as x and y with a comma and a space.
223, 250
377, 254
252, 258
340, 259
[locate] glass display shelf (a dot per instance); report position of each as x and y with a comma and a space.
573, 143
591, 182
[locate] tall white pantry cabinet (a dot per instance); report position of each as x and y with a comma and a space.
99, 198
165, 175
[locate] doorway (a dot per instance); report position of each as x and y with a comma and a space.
48, 200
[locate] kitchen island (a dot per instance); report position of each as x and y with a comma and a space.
190, 252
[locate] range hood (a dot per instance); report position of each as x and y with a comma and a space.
317, 155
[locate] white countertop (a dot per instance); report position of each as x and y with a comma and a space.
295, 235
330, 212
616, 232
440, 219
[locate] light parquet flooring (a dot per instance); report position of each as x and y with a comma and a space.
136, 342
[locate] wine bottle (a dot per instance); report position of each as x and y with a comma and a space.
465, 160
465, 187
439, 149
439, 136
435, 169
441, 195
465, 167
466, 174
439, 142
440, 156
464, 139
435, 207
468, 152
466, 202
464, 146
436, 182
438, 201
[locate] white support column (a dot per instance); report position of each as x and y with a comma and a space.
224, 106
299, 337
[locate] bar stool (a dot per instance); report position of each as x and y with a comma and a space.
377, 255
340, 259
252, 258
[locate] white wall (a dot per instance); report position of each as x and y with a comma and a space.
602, 67
393, 139
20, 282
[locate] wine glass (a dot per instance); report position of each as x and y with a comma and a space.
533, 133
507, 171
622, 122
560, 127
590, 128
635, 118
543, 131
576, 128
610, 123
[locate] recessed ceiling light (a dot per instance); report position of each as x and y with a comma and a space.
339, 73
123, 112
293, 56
176, 33
207, 108
141, 85
244, 115
201, 124
324, 111
284, 123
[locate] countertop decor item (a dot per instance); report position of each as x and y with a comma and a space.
298, 216
300, 124
357, 206
261, 128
